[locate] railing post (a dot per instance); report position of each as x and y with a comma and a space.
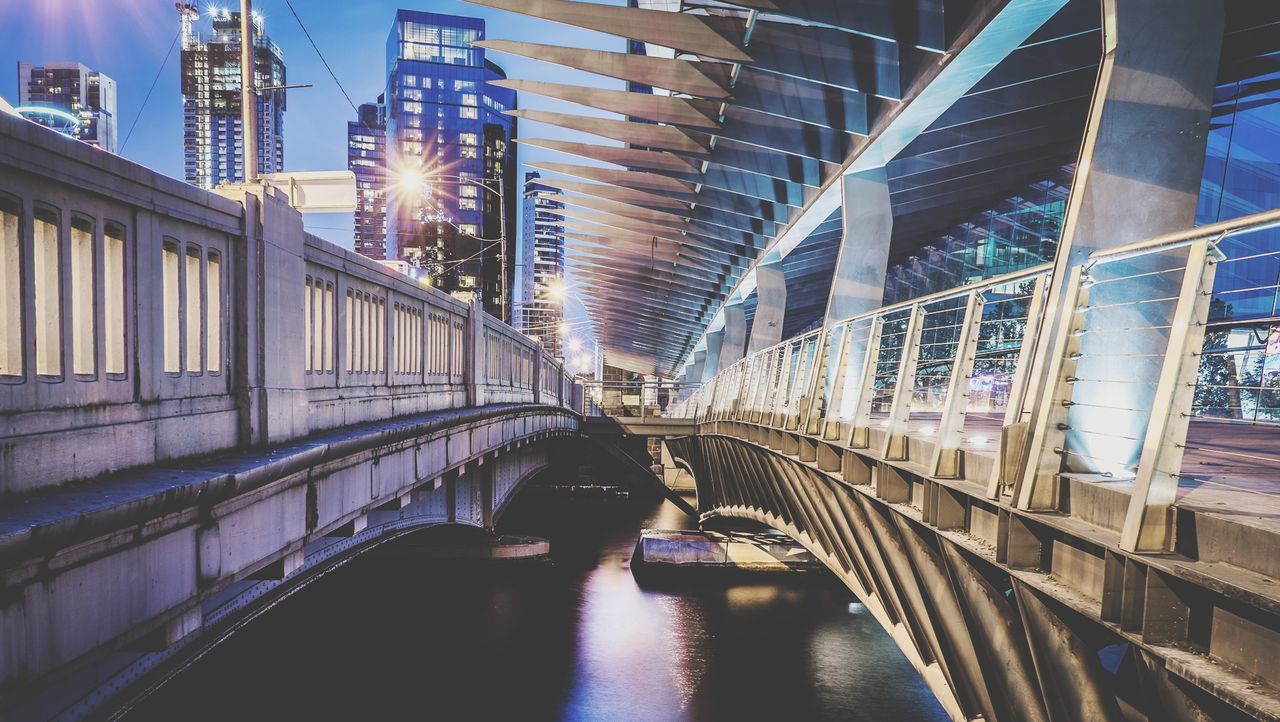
1037, 461
477, 358
895, 446
860, 420
826, 428
817, 383
537, 363
948, 458
1013, 430
1148, 524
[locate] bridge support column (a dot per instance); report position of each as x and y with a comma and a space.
735, 335
696, 368
771, 306
715, 343
857, 285
1138, 176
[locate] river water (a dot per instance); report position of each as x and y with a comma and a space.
575, 639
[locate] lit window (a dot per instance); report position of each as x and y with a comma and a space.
213, 317
468, 191
466, 204
172, 326
82, 348
10, 291
192, 278
469, 113
48, 308
469, 229
350, 339
468, 139
466, 281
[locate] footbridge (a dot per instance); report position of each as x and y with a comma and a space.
205, 407
1025, 499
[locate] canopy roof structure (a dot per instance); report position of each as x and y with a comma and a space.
760, 107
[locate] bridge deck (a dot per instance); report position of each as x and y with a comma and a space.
52, 518
1228, 468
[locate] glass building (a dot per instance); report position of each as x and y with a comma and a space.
542, 264
212, 134
367, 159
447, 131
1240, 368
85, 95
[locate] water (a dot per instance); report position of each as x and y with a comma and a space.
573, 640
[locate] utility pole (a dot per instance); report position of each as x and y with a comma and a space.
248, 97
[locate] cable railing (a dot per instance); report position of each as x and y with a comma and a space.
1118, 348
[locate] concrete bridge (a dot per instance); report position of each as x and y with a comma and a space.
203, 407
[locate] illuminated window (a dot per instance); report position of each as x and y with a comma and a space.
469, 113
346, 352
10, 291
328, 327
466, 204
192, 278
466, 281
82, 347
468, 139
468, 191
172, 321
468, 152
469, 229
213, 313
48, 306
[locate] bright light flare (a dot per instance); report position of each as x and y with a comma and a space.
575, 345
557, 291
411, 182
565, 329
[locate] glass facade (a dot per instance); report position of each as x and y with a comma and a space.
212, 134
447, 130
367, 159
86, 94
542, 265
1019, 232
1240, 369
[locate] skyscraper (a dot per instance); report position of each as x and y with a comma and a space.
542, 245
367, 158
87, 95
450, 159
212, 132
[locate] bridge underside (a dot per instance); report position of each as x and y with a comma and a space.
1006, 617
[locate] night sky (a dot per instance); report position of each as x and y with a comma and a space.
128, 40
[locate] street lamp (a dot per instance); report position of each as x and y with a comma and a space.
412, 181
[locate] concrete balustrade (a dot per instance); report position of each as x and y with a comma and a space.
143, 323
197, 398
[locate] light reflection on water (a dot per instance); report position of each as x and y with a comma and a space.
577, 640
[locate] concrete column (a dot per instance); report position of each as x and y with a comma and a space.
269, 275
857, 285
695, 369
715, 342
1138, 176
735, 335
771, 306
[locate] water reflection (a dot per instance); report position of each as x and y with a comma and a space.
575, 640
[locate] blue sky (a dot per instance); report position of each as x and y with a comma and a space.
128, 39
